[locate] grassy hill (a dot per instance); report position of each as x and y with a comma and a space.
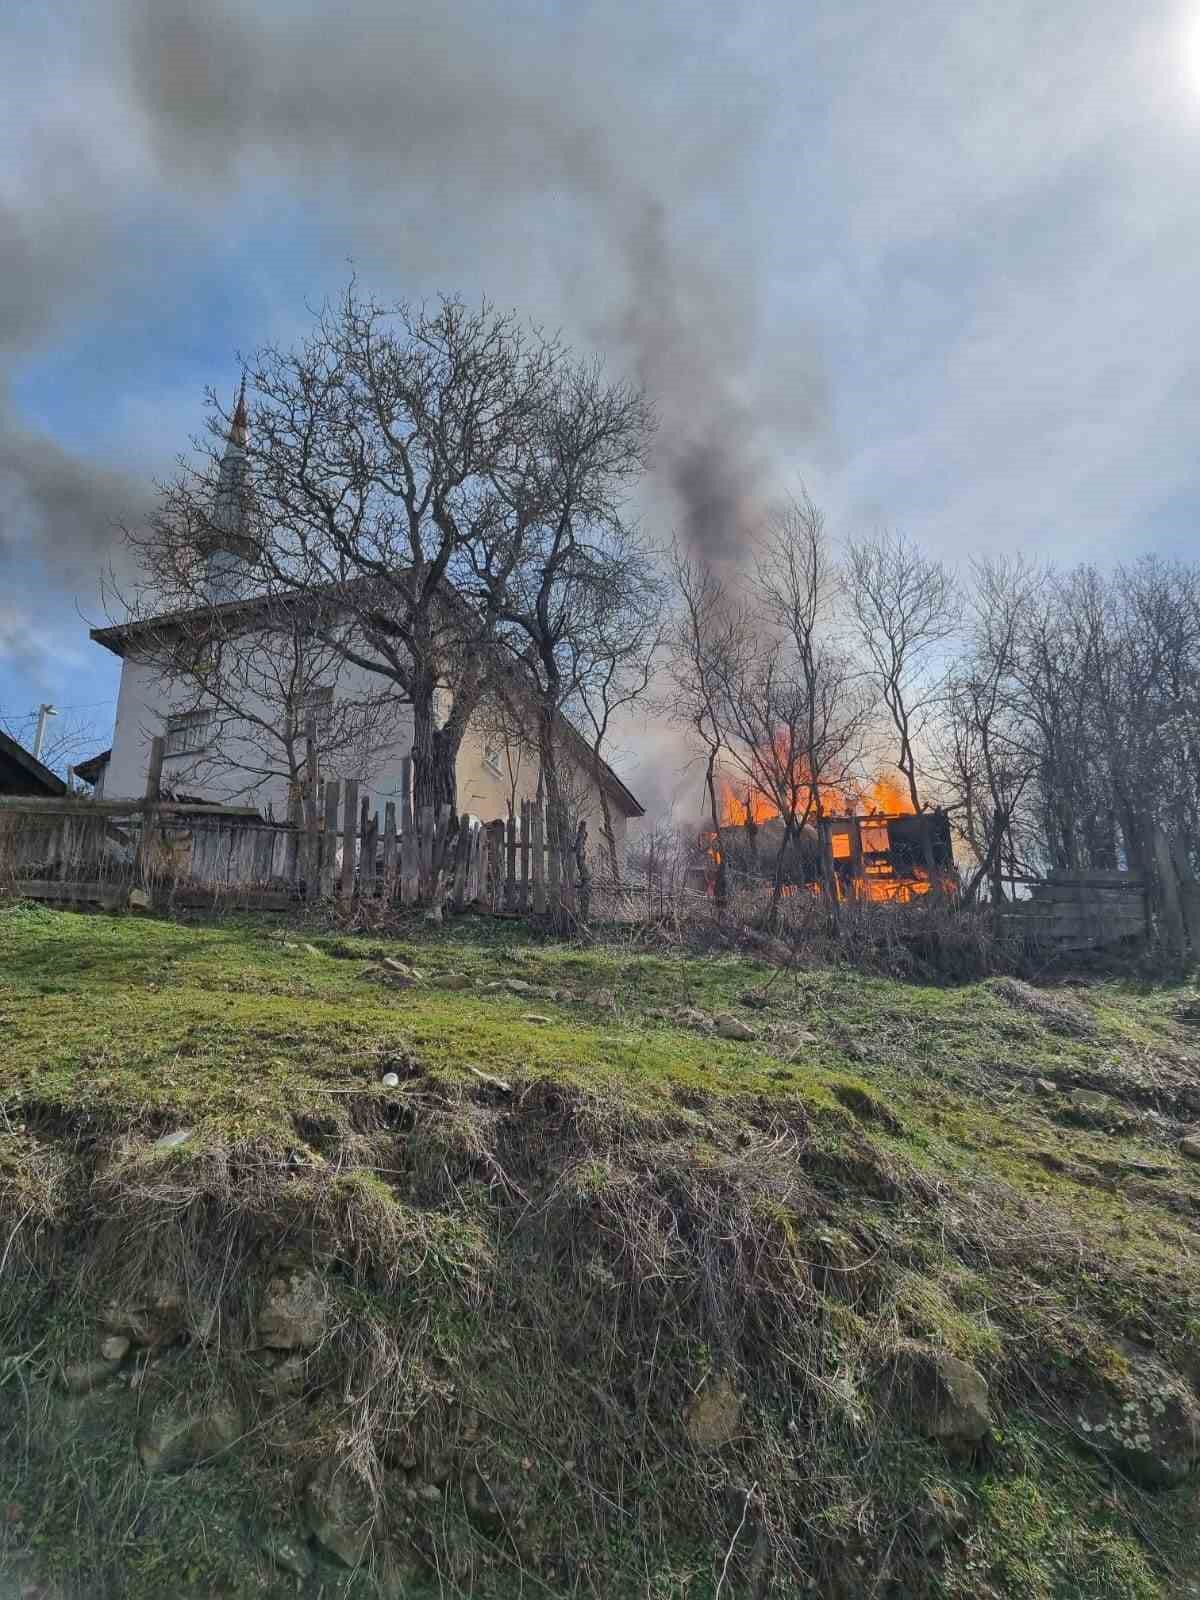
514, 1277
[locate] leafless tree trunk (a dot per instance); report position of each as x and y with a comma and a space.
904, 608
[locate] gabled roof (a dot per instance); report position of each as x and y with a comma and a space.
91, 769
23, 773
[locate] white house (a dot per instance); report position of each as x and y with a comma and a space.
211, 757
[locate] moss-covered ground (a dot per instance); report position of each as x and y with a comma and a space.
570, 1255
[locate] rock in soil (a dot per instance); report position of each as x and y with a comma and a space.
1189, 1145
338, 1512
714, 1416
115, 1347
1097, 1110
941, 1396
452, 980
288, 1552
81, 1377
157, 1318
728, 1027
294, 1310
1151, 1428
174, 1439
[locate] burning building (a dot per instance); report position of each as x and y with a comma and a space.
873, 846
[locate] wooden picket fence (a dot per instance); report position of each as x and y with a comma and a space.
524, 864
76, 849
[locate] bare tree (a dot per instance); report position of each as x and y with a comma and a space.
803, 711
709, 645
248, 683
904, 608
988, 761
379, 454
614, 668
762, 685
573, 579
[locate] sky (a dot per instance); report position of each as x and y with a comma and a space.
935, 262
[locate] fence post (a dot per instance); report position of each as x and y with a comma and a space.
349, 822
538, 841
370, 849
462, 861
585, 872
1189, 890
1168, 889
526, 813
328, 840
568, 861
149, 840
425, 852
553, 862
856, 859
389, 850
510, 863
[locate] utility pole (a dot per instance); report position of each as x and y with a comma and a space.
44, 712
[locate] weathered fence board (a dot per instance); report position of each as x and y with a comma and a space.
336, 844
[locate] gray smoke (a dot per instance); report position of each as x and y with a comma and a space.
599, 161
525, 123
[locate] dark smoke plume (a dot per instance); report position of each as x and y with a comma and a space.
438, 129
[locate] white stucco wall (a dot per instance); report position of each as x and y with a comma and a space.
145, 701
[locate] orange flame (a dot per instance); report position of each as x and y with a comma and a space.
747, 806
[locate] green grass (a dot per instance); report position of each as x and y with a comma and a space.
883, 1153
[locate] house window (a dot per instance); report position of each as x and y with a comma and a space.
491, 759
187, 732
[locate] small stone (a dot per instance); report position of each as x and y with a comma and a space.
81, 1377
518, 986
401, 969
492, 1082
284, 1380
730, 1027
430, 1493
1189, 1146
289, 1553
943, 1397
685, 1017
174, 1440
338, 1513
452, 980
156, 1319
536, 1016
294, 1310
139, 900
1045, 1086
115, 1347
310, 950
714, 1416
172, 1141
390, 1080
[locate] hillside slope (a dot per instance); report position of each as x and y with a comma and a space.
514, 1277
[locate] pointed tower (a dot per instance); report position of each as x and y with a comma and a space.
229, 548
